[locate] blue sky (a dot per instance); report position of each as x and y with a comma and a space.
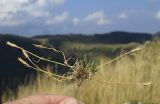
34, 17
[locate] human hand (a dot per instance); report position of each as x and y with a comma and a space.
46, 99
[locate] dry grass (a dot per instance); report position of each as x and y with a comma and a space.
131, 78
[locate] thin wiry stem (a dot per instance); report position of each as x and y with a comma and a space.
126, 83
77, 67
64, 57
41, 58
134, 50
46, 72
26, 54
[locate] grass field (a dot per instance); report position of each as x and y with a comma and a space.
133, 78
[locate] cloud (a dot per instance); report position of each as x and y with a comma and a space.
123, 16
38, 14
16, 11
49, 2
10, 12
157, 16
97, 17
76, 21
10, 21
58, 19
58, 1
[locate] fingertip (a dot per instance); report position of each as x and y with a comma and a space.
71, 101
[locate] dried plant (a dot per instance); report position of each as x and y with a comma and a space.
78, 72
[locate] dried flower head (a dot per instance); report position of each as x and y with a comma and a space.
12, 44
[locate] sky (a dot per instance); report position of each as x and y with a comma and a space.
36, 17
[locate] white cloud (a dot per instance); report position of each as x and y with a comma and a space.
157, 16
97, 17
41, 2
123, 16
37, 14
40, 8
58, 1
12, 6
14, 9
58, 19
16, 12
51, 2
76, 21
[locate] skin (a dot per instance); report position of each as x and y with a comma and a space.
46, 99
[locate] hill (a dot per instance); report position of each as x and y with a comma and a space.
106, 38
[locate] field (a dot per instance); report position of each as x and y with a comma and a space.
132, 79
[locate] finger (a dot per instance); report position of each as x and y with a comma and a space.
39, 99
70, 101
46, 99
62, 100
